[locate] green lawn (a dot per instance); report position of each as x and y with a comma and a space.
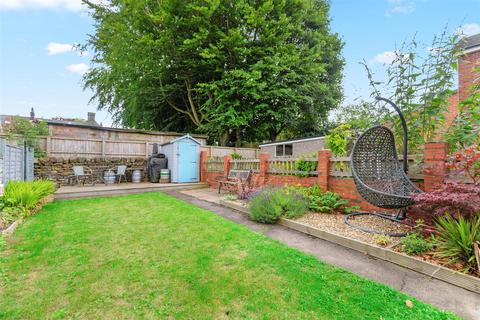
152, 256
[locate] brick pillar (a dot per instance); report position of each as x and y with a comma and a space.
226, 164
323, 168
434, 171
203, 166
263, 169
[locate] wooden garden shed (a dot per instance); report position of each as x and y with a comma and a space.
183, 156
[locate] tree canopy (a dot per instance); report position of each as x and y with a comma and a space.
239, 70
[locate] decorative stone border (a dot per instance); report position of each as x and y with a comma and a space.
435, 271
11, 228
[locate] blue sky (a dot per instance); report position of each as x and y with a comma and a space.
38, 68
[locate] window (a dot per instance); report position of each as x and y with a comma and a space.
279, 150
288, 149
284, 150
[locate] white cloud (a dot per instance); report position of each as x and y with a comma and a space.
70, 5
469, 29
401, 7
54, 48
386, 57
79, 68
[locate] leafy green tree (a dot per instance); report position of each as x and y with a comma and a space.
238, 70
420, 85
23, 130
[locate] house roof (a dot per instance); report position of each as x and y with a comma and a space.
472, 43
163, 133
292, 141
187, 136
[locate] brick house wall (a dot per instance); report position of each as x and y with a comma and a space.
467, 63
466, 75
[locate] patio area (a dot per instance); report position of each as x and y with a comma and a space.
102, 190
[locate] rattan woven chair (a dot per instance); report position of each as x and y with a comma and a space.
378, 174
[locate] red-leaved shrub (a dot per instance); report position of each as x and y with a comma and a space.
456, 199
466, 162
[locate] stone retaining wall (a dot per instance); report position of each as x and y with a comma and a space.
57, 169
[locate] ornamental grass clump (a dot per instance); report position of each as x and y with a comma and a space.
455, 238
273, 203
27, 194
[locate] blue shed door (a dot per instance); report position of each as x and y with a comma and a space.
187, 161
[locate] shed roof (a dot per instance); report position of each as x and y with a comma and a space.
187, 136
292, 141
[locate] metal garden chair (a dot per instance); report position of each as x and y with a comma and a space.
121, 173
81, 174
378, 175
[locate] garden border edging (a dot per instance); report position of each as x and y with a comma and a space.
432, 270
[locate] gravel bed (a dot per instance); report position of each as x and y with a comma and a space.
335, 223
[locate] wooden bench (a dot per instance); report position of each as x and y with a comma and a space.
235, 179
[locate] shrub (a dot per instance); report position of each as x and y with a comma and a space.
414, 244
455, 238
236, 156
456, 199
381, 239
466, 162
304, 165
272, 203
27, 194
321, 201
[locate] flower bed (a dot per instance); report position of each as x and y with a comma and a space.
450, 242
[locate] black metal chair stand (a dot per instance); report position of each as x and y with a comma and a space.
378, 175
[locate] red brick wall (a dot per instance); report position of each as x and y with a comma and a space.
346, 188
434, 173
211, 179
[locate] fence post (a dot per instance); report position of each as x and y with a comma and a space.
434, 171
103, 148
226, 164
48, 145
263, 168
203, 166
323, 168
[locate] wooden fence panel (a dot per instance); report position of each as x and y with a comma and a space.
246, 164
340, 167
122, 148
215, 165
71, 147
16, 163
288, 167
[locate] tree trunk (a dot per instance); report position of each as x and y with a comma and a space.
224, 137
238, 137
273, 135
